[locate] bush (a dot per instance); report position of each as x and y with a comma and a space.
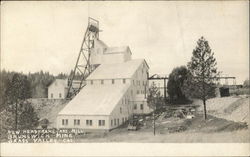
175, 84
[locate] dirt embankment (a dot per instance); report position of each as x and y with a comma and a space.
47, 108
234, 108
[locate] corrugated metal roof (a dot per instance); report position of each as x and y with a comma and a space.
118, 70
95, 100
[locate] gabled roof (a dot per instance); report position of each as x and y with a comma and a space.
117, 70
62, 82
95, 100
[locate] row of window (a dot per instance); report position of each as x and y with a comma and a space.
138, 82
141, 106
52, 95
87, 122
125, 101
135, 82
140, 92
116, 121
112, 81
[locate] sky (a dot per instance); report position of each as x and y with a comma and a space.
47, 35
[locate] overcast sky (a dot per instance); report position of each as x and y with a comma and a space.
47, 35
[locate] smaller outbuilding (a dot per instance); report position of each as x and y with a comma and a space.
222, 92
58, 89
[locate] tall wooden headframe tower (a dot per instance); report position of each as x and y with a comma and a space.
83, 65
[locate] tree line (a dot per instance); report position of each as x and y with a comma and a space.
15, 89
39, 82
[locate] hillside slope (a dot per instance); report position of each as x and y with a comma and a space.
49, 109
234, 108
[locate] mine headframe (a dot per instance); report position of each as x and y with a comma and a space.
83, 67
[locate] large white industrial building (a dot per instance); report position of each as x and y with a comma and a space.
114, 91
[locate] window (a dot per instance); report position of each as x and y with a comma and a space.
118, 121
91, 82
89, 122
141, 106
139, 83
60, 95
111, 122
51, 95
120, 110
101, 123
124, 81
102, 82
131, 92
76, 121
133, 82
138, 92
122, 120
113, 81
115, 122
64, 121
135, 106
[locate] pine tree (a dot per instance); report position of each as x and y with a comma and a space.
18, 90
154, 100
28, 118
203, 71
